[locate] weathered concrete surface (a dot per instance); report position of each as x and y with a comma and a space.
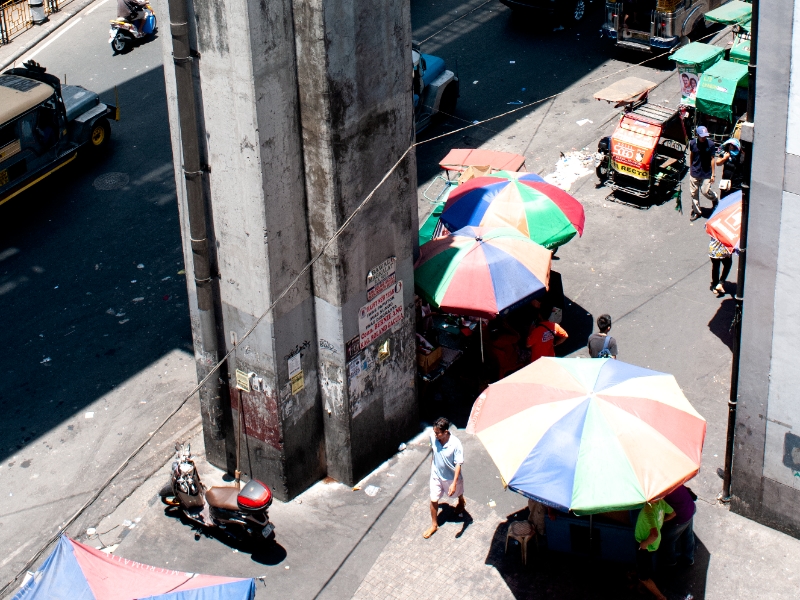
766, 466
354, 72
248, 94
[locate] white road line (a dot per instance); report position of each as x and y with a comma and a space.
53, 39
95, 7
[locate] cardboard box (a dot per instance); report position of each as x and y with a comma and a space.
429, 362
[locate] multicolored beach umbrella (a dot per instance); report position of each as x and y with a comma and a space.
589, 434
77, 572
481, 272
545, 213
725, 222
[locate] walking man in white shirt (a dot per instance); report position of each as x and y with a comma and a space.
446, 479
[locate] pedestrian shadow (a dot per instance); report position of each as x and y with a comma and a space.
448, 514
721, 324
680, 581
579, 324
566, 576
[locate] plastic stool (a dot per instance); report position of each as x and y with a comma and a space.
522, 531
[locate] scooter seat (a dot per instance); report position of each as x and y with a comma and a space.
223, 497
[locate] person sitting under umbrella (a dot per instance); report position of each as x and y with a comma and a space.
545, 335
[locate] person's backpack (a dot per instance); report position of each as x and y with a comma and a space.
605, 352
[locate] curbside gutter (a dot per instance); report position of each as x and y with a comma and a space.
23, 43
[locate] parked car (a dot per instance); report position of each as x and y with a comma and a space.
43, 125
435, 87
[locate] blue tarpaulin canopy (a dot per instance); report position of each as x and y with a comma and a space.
77, 572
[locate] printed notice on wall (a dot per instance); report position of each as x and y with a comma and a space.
298, 383
381, 314
242, 381
295, 366
381, 278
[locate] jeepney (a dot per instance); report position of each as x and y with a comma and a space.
43, 124
654, 25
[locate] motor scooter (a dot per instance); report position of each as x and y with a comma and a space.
124, 33
239, 513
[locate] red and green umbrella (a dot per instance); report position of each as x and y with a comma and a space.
589, 434
545, 213
481, 272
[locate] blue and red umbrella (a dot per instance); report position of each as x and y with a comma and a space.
77, 572
725, 222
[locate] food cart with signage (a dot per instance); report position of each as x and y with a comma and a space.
693, 60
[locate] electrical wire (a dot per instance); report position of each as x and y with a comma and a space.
291, 285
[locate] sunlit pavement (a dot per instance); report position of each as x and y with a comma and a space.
647, 268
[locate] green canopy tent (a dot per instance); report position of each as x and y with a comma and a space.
731, 13
735, 13
693, 59
717, 89
740, 51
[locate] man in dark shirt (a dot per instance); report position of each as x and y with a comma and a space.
597, 341
677, 536
701, 173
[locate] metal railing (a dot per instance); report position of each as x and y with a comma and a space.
15, 16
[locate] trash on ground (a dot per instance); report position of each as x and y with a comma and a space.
492, 503
109, 549
356, 488
139, 299
126, 523
46, 360
91, 531
571, 167
515, 102
402, 447
474, 82
89, 415
167, 277
511, 62
182, 272
372, 490
583, 122
140, 266
124, 321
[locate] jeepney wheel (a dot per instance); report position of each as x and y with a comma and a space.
449, 99
101, 133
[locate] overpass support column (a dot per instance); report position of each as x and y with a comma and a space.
354, 74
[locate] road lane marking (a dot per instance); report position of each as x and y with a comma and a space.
53, 39
95, 7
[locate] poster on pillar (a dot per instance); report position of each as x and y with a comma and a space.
381, 278
381, 314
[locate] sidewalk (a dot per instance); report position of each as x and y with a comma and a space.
332, 542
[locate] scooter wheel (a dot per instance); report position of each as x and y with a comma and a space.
120, 43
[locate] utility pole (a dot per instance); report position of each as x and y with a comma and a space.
747, 147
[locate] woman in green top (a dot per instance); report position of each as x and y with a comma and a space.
648, 535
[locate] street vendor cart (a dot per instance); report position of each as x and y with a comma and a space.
646, 154
722, 99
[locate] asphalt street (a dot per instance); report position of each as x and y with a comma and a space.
95, 327
94, 299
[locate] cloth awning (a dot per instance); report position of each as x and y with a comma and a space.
717, 88
731, 13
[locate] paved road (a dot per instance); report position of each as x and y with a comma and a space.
94, 313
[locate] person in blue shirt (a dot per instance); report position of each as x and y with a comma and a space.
701, 173
446, 478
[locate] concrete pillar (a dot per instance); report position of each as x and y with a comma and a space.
355, 76
303, 109
248, 91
